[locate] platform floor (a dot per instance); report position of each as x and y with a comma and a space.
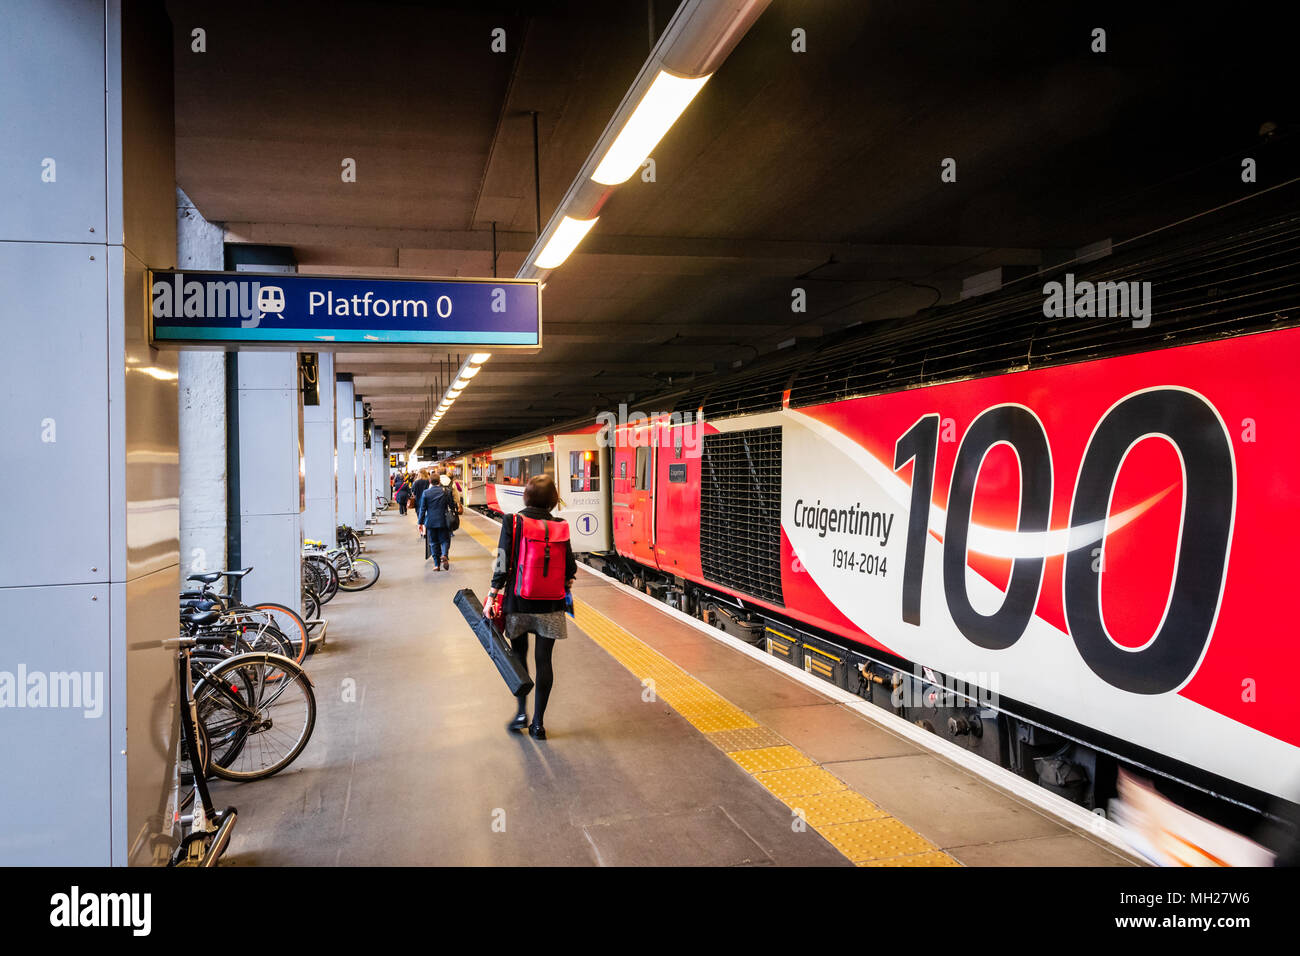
665, 747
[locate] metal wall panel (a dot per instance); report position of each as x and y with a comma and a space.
56, 112
54, 384
360, 476
270, 476
268, 460
55, 776
278, 574
143, 422
144, 614
346, 459
320, 516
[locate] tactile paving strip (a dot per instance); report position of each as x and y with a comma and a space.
801, 782
829, 809
850, 822
747, 738
875, 839
770, 758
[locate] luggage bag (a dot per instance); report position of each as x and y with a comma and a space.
511, 668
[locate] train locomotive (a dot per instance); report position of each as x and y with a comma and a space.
1059, 541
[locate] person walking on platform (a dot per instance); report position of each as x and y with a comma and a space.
544, 618
444, 480
417, 491
403, 493
435, 510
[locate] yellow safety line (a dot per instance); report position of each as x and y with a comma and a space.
865, 834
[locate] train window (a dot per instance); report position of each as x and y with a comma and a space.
535, 465
584, 471
642, 468
622, 469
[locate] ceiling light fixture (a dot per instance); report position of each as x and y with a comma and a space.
658, 110
565, 239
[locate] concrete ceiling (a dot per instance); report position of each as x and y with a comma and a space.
817, 170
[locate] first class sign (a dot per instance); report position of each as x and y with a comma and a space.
293, 310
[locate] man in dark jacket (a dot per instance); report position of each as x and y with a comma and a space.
417, 489
435, 504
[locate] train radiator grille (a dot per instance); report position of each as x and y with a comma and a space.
740, 512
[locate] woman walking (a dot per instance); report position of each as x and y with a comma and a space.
542, 617
403, 493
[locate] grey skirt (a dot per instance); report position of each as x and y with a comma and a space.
551, 624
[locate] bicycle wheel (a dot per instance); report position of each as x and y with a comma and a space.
293, 627
365, 572
260, 711
310, 603
223, 710
325, 576
350, 542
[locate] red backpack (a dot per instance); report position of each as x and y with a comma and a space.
540, 558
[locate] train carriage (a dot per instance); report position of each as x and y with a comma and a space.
1081, 527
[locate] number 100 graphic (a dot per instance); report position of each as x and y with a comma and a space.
1181, 417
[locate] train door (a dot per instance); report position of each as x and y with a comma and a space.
584, 490
635, 479
677, 499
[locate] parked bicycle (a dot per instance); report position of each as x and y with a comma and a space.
256, 709
206, 831
279, 618
349, 573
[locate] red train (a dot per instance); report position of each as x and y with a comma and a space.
1061, 542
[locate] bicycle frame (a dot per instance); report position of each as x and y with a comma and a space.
204, 810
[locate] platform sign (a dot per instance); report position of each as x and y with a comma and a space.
290, 310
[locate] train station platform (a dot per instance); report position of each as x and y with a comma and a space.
665, 747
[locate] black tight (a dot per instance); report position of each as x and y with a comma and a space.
545, 676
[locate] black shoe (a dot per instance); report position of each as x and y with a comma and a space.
519, 722
537, 731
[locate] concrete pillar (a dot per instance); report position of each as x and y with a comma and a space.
88, 438
346, 457
378, 465
270, 477
359, 463
200, 245
320, 514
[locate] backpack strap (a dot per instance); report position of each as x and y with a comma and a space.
546, 555
512, 556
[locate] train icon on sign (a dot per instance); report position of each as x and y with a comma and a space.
270, 298
587, 523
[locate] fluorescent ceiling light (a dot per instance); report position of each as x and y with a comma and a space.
478, 358
667, 97
565, 239
469, 371
461, 383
